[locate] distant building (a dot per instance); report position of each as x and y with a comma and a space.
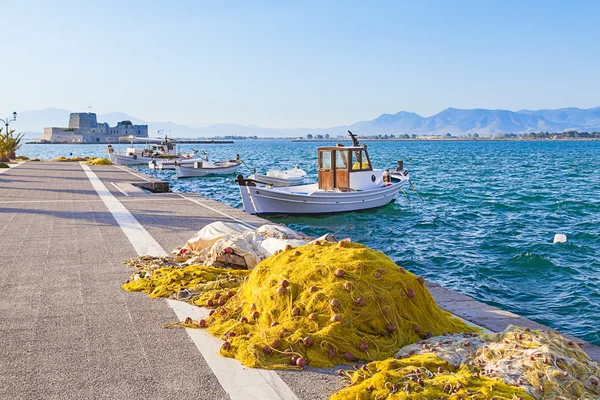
84, 128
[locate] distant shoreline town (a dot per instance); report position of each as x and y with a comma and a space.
540, 136
85, 129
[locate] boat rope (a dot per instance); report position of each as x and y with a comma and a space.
415, 190
405, 195
253, 170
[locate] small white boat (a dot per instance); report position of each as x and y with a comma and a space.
156, 149
207, 168
275, 177
158, 164
347, 182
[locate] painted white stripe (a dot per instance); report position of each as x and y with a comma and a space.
10, 166
239, 382
141, 240
119, 189
250, 383
239, 221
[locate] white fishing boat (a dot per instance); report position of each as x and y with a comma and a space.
208, 168
275, 177
155, 149
158, 164
346, 182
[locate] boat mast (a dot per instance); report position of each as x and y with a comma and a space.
354, 139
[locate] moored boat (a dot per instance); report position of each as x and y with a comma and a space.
158, 164
207, 168
346, 182
156, 149
290, 177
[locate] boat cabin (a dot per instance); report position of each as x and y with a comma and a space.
338, 164
153, 147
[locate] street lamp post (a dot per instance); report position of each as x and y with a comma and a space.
7, 121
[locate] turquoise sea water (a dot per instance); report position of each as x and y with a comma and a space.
486, 225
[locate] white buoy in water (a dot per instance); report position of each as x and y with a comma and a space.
560, 238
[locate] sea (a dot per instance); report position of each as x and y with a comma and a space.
484, 227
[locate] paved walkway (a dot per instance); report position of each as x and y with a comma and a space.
67, 329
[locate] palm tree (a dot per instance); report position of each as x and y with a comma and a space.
9, 145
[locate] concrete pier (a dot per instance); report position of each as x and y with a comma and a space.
68, 330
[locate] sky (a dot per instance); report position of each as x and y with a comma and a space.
299, 63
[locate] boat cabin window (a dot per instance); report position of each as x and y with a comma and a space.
341, 159
360, 161
325, 160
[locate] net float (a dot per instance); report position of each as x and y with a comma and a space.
301, 362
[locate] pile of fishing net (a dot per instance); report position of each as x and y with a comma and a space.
194, 284
517, 363
324, 304
98, 161
65, 159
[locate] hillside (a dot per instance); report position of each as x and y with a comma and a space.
451, 120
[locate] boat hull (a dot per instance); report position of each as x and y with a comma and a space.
191, 172
121, 159
170, 164
263, 200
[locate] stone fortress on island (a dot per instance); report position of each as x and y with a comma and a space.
84, 128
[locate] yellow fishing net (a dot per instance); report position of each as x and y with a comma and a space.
515, 363
199, 285
424, 376
63, 159
547, 364
327, 303
331, 303
98, 161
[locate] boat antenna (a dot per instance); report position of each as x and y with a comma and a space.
354, 139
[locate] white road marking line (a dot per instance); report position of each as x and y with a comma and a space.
239, 382
141, 240
119, 189
239, 221
10, 166
132, 173
229, 371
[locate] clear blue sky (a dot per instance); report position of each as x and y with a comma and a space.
297, 63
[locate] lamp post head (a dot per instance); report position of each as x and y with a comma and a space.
15, 115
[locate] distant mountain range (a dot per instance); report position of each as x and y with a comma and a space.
451, 120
